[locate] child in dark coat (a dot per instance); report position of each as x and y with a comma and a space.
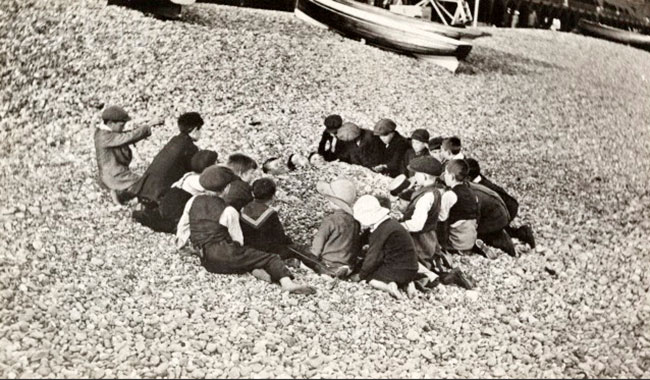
165, 217
213, 228
114, 154
493, 220
359, 146
327, 147
263, 230
418, 148
391, 261
523, 233
239, 192
173, 160
393, 148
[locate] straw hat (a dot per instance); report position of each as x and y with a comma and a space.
368, 211
341, 192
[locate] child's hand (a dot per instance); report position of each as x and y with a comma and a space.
379, 168
355, 278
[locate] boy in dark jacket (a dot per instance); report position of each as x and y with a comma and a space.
393, 148
173, 160
494, 218
327, 147
239, 193
523, 233
358, 146
114, 154
213, 228
165, 217
391, 261
418, 148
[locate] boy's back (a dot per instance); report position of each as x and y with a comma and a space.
337, 241
261, 227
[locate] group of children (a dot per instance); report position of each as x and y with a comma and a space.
224, 212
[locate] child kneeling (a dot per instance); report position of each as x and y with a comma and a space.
213, 227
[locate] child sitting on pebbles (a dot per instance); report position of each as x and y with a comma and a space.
165, 217
390, 262
213, 228
458, 209
114, 154
263, 230
418, 148
239, 193
172, 162
328, 147
337, 243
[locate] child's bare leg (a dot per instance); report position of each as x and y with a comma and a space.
289, 286
390, 288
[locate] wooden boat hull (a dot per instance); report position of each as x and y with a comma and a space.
447, 31
377, 31
614, 34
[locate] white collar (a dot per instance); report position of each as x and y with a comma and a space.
477, 179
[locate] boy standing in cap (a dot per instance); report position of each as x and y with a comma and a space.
337, 243
173, 160
391, 261
165, 217
114, 154
213, 227
394, 148
418, 148
327, 147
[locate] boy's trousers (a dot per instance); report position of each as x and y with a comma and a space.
232, 258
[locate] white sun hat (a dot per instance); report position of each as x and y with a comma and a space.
368, 211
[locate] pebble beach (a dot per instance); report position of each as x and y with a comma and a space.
559, 119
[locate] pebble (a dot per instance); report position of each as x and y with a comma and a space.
75, 315
412, 335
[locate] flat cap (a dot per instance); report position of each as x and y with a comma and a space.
115, 113
427, 165
421, 135
384, 127
216, 178
348, 132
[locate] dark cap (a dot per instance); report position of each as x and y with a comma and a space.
333, 122
427, 165
474, 168
203, 159
216, 178
436, 143
421, 135
115, 113
384, 127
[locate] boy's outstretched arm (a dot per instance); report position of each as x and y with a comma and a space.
114, 140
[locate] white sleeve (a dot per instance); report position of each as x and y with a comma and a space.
230, 219
419, 217
192, 185
448, 200
183, 227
